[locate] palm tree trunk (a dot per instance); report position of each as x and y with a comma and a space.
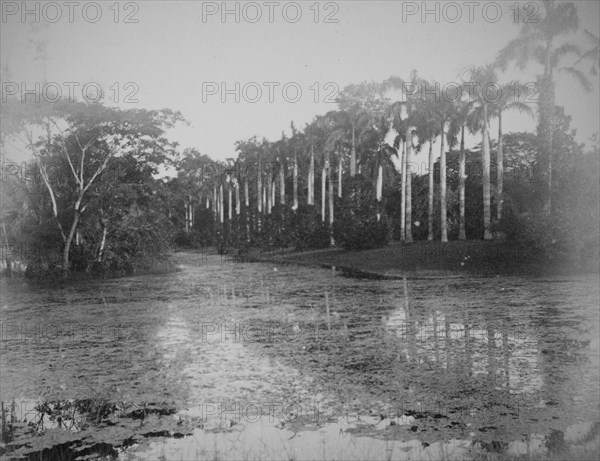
323, 192
268, 186
461, 185
247, 202
187, 219
221, 211
485, 151
273, 185
430, 194
215, 203
379, 182
379, 187
403, 194
408, 169
340, 173
230, 201
499, 170
311, 177
259, 191
238, 205
353, 153
545, 128
330, 179
443, 191
295, 173
281, 186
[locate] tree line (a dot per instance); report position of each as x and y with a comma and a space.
99, 203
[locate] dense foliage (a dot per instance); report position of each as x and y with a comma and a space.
361, 220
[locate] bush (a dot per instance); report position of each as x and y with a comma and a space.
560, 238
309, 231
278, 226
356, 226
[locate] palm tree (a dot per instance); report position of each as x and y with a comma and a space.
481, 76
361, 104
506, 101
538, 42
457, 125
428, 131
413, 105
440, 111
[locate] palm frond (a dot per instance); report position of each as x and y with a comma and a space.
579, 76
562, 51
520, 107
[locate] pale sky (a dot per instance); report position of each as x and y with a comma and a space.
171, 54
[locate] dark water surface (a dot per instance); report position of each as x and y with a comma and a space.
228, 360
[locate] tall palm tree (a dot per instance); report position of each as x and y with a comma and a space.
507, 100
539, 42
428, 131
480, 76
412, 102
440, 111
457, 125
361, 104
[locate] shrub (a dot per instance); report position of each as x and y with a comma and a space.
309, 231
356, 226
560, 238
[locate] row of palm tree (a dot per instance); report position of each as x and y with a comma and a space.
369, 124
370, 128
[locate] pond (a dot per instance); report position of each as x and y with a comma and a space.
229, 360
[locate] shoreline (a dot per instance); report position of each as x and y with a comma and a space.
414, 261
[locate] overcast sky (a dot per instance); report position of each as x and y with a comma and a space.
176, 57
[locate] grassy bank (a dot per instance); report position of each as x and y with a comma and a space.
474, 257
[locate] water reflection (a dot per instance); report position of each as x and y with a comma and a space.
474, 362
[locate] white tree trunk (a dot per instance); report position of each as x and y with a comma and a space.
408, 172
221, 210
485, 151
323, 192
403, 194
230, 201
443, 220
281, 186
340, 175
295, 178
430, 194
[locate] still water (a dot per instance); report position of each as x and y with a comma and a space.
226, 360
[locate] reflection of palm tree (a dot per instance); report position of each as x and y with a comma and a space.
491, 355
